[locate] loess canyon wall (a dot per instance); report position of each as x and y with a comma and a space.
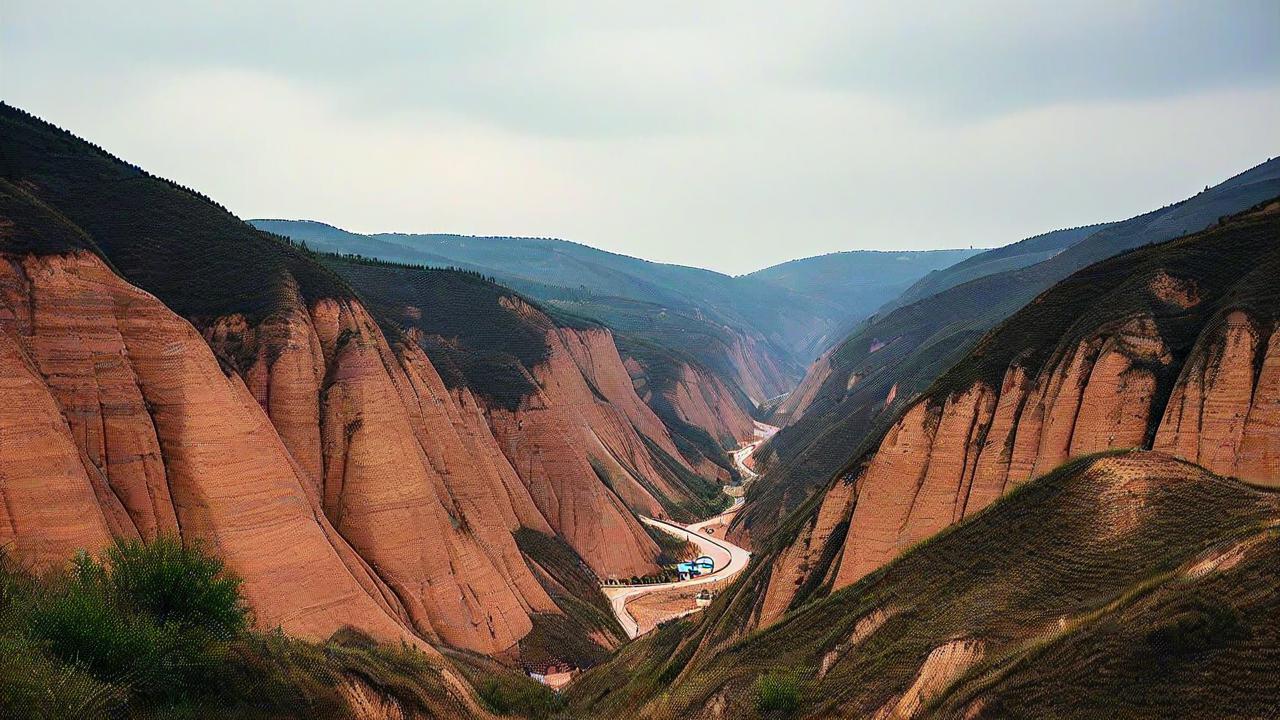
168, 369
119, 423
1178, 355
691, 397
397, 469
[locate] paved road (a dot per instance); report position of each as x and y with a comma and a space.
763, 432
729, 561
729, 558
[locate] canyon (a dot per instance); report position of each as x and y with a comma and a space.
478, 465
1157, 349
391, 492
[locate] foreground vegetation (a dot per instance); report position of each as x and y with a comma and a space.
160, 630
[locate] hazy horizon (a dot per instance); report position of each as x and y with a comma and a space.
718, 136
412, 233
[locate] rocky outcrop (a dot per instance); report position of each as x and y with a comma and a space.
127, 427
796, 564
582, 458
1224, 413
942, 463
944, 665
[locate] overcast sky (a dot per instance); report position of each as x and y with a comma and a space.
729, 135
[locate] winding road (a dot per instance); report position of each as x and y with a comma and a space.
729, 558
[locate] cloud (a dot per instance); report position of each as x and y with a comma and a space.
728, 135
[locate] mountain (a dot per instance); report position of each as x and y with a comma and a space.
1085, 503
419, 455
854, 283
1026, 252
755, 331
860, 385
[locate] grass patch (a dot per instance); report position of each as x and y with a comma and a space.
160, 630
777, 694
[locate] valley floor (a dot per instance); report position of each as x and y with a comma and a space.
729, 561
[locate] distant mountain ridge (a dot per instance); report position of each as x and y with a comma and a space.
755, 331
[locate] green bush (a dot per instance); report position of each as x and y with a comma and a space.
527, 699
179, 585
153, 618
37, 686
82, 624
777, 694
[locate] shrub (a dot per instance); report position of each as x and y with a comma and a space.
34, 685
526, 699
153, 618
777, 694
1200, 627
179, 585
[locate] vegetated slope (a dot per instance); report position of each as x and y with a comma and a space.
1130, 585
326, 461
851, 394
700, 313
854, 283
1010, 257
160, 631
1173, 346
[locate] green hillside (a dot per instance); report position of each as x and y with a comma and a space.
913, 345
1111, 573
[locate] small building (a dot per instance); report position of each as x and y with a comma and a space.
704, 598
553, 674
694, 568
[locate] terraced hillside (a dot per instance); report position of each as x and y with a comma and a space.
860, 386
1114, 572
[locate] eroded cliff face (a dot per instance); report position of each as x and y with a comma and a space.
1224, 413
398, 471
791, 408
121, 424
948, 458
757, 374
576, 444
699, 398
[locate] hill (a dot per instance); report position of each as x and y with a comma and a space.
859, 386
1173, 348
1113, 572
421, 455
854, 283
754, 331
1026, 252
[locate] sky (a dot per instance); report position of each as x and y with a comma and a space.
726, 135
